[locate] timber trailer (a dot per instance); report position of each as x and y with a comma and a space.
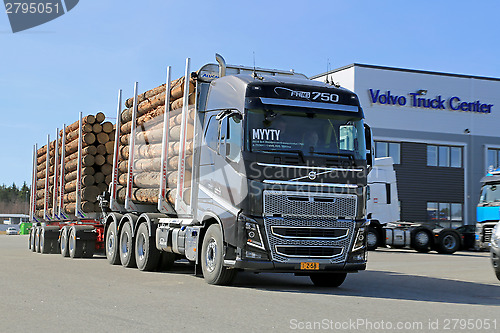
247, 169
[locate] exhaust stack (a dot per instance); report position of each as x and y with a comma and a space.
222, 65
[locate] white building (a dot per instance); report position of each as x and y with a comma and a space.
442, 130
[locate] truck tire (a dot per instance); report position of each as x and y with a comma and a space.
146, 253
44, 243
29, 239
421, 240
127, 253
32, 239
372, 239
332, 280
212, 258
63, 242
112, 245
37, 239
448, 242
75, 247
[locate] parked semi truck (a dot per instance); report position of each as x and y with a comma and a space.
385, 227
488, 209
254, 169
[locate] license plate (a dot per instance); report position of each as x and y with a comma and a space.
309, 266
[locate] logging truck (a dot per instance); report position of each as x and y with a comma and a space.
230, 167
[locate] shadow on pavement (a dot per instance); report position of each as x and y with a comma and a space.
383, 285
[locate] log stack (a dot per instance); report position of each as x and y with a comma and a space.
148, 142
97, 158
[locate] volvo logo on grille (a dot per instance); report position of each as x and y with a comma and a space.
312, 175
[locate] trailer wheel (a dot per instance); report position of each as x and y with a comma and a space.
146, 253
421, 240
332, 280
44, 243
29, 239
37, 239
448, 242
212, 258
63, 245
75, 248
112, 246
127, 253
54, 246
32, 239
372, 239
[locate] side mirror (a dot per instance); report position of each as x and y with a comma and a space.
370, 148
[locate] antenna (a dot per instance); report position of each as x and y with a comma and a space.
254, 72
327, 71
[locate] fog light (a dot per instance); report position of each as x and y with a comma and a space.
253, 255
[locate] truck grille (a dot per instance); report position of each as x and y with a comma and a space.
292, 239
281, 203
487, 231
307, 232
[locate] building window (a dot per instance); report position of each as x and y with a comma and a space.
444, 156
445, 214
388, 149
493, 158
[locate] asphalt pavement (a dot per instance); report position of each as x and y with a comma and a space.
401, 291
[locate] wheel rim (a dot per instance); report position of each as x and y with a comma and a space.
211, 255
111, 243
141, 245
371, 239
422, 238
449, 242
124, 242
63, 242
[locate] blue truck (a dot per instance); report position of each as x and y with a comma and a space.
488, 209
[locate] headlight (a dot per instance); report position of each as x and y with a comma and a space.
253, 235
360, 240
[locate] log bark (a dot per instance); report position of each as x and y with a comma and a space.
143, 180
142, 195
87, 161
87, 207
89, 150
90, 119
85, 171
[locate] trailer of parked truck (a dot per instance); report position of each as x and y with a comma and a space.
229, 167
385, 227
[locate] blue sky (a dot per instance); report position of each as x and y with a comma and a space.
77, 62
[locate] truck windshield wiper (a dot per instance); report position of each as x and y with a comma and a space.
296, 151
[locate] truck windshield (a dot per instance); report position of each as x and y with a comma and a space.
490, 193
307, 133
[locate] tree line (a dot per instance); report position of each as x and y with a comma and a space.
14, 199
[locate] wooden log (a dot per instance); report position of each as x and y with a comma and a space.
87, 161
107, 127
85, 171
108, 179
88, 139
99, 177
90, 119
140, 195
101, 149
102, 137
110, 147
99, 160
103, 187
89, 150
97, 128
179, 103
86, 206
100, 117
107, 169
142, 180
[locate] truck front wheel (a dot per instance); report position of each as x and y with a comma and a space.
212, 258
448, 242
332, 280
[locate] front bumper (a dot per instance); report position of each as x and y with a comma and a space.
269, 266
